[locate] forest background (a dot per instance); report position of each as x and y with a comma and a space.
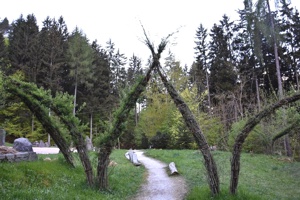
232, 77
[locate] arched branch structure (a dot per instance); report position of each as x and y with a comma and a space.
189, 118
192, 124
38, 102
107, 143
287, 130
251, 123
41, 112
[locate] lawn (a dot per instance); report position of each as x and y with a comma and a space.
56, 180
261, 176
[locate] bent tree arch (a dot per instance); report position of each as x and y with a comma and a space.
38, 101
287, 130
107, 143
41, 113
240, 139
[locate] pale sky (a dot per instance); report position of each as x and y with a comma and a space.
119, 20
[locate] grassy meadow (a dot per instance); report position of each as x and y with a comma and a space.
261, 177
43, 180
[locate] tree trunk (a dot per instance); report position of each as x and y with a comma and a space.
192, 124
257, 94
49, 137
103, 161
80, 145
280, 90
91, 127
75, 93
251, 123
208, 93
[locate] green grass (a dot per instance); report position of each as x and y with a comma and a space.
9, 144
56, 180
261, 176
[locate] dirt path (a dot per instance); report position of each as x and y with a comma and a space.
159, 185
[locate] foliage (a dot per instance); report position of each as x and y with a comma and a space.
16, 118
253, 143
160, 141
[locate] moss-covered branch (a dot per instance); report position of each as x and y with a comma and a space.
41, 112
240, 139
286, 131
61, 105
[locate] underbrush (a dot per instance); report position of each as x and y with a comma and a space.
261, 176
54, 179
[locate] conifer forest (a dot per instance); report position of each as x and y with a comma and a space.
241, 68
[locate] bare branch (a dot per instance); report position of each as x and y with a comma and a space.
147, 41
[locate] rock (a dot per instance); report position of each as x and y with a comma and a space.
112, 163
23, 145
42, 144
89, 144
2, 137
6, 150
47, 159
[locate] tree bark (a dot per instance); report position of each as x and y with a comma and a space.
91, 126
79, 142
285, 131
192, 124
102, 168
251, 123
280, 88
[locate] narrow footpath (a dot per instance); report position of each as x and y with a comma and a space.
159, 185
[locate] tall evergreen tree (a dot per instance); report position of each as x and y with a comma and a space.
24, 48
53, 42
198, 71
96, 96
223, 77
80, 58
3, 51
117, 62
4, 26
135, 69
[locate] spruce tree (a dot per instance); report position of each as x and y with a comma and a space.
24, 48
79, 58
53, 42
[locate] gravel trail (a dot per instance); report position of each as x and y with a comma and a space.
159, 185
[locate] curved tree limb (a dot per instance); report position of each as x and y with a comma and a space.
188, 117
251, 123
286, 131
65, 114
42, 115
108, 142
192, 124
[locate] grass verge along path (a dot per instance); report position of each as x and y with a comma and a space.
261, 176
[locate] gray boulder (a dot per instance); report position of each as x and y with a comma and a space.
22, 145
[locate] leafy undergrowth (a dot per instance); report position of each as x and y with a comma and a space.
56, 180
261, 176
